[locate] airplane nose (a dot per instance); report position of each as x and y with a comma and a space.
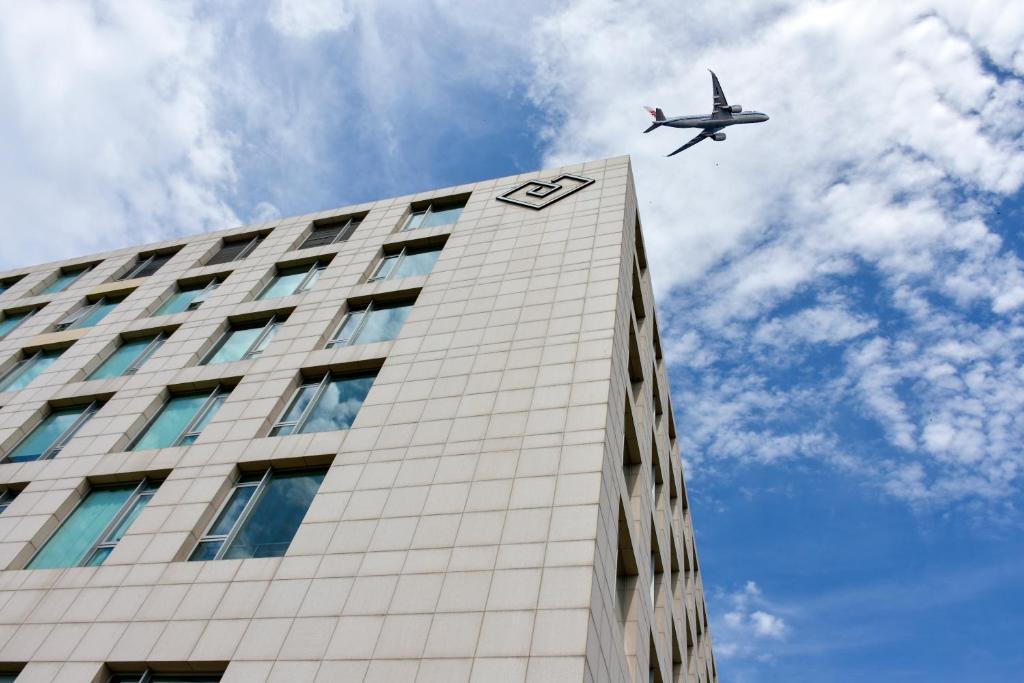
765, 116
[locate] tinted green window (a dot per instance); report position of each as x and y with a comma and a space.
288, 281
414, 263
45, 436
177, 415
21, 377
63, 281
434, 217
272, 524
181, 300
10, 321
82, 529
244, 342
98, 313
123, 358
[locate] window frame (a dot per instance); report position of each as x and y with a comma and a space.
7, 496
146, 488
249, 246
336, 342
432, 207
61, 272
22, 366
345, 229
189, 429
321, 386
150, 676
142, 263
396, 259
312, 273
62, 440
154, 345
71, 320
258, 345
4, 315
227, 539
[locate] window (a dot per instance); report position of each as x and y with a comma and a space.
181, 420
261, 515
147, 265
325, 405
293, 280
148, 676
91, 532
53, 433
236, 250
90, 314
7, 283
28, 368
7, 497
374, 323
244, 342
332, 233
188, 297
12, 320
64, 279
129, 356
406, 263
434, 215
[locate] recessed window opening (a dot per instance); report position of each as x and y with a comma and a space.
147, 265
52, 434
188, 297
373, 323
149, 676
90, 313
244, 341
326, 404
434, 214
28, 368
641, 252
65, 278
236, 249
10, 320
7, 497
333, 232
294, 280
181, 419
406, 263
638, 298
129, 357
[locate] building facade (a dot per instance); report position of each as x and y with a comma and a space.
427, 438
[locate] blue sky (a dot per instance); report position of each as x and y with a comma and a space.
840, 289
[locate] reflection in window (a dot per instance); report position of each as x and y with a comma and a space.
406, 263
374, 323
53, 433
181, 420
261, 515
188, 297
90, 314
434, 215
325, 405
7, 497
27, 369
244, 342
293, 281
64, 280
12, 320
90, 533
129, 356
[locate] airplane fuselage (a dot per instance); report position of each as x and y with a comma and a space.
711, 121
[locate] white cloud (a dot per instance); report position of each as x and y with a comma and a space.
748, 628
837, 263
309, 18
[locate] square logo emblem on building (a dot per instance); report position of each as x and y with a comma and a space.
536, 194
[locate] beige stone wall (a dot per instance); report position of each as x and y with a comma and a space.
469, 526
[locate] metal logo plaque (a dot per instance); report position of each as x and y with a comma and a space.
537, 194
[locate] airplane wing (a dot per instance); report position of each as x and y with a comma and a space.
721, 105
697, 138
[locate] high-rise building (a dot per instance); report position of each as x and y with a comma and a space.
427, 438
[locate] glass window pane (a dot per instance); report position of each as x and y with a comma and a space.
321, 236
348, 328
199, 426
313, 277
44, 436
206, 550
180, 300
68, 546
235, 344
415, 220
239, 497
270, 528
98, 313
118, 532
265, 341
417, 263
172, 420
384, 269
338, 405
383, 323
442, 216
30, 371
302, 398
150, 265
98, 557
10, 321
124, 356
285, 283
63, 281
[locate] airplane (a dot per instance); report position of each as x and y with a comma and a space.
721, 116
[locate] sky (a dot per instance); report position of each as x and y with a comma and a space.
840, 289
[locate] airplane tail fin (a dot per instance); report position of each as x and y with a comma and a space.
659, 117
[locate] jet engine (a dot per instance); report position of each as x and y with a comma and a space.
718, 137
736, 109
